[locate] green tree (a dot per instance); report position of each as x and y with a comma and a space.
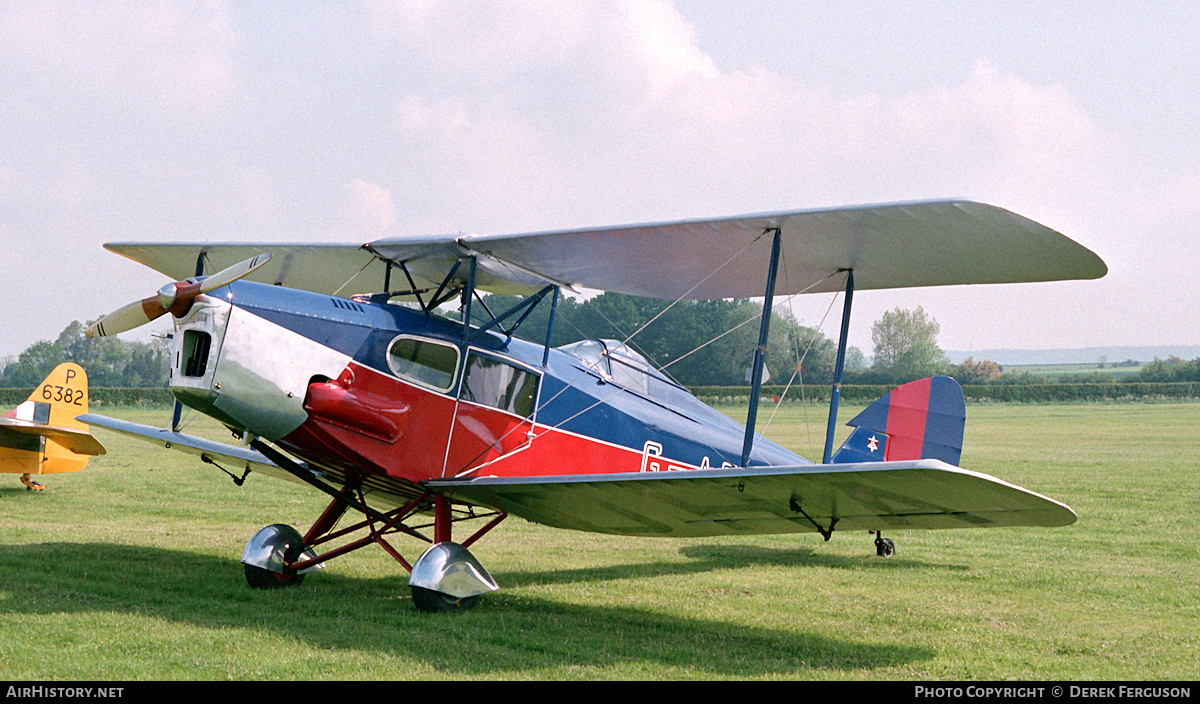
1170, 369
922, 359
701, 343
906, 346
33, 364
109, 361
855, 359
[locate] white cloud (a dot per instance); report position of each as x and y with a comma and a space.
369, 212
197, 120
617, 104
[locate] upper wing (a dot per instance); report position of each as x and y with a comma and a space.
324, 268
924, 494
887, 246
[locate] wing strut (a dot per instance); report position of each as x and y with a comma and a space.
826, 533
525, 308
836, 394
550, 327
760, 352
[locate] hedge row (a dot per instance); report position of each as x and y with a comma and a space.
993, 393
1069, 393
997, 393
99, 397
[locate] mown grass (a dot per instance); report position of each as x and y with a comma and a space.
129, 571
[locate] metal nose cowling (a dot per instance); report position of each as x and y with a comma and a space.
175, 297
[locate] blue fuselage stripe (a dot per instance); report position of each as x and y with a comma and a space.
571, 397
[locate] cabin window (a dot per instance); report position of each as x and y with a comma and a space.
196, 345
615, 361
628, 368
618, 363
426, 362
497, 384
591, 353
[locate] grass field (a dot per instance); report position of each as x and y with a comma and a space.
129, 571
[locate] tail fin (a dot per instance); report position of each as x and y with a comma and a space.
42, 436
920, 420
58, 399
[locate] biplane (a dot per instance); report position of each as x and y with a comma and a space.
42, 435
333, 366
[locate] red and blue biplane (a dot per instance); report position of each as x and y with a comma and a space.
420, 422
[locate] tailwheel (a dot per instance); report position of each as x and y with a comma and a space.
884, 547
437, 602
31, 485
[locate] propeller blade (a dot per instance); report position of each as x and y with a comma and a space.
176, 297
233, 273
127, 317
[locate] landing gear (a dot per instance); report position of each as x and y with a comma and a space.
270, 555
430, 601
259, 578
884, 547
448, 578
31, 485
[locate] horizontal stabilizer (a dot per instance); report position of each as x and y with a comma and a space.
924, 494
922, 419
72, 439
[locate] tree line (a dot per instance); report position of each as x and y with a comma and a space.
696, 343
712, 343
108, 361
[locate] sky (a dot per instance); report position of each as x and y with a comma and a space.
351, 121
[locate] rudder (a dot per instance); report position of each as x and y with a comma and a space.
61, 397
923, 419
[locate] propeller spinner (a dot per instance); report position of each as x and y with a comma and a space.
176, 298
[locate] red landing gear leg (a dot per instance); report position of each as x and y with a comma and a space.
442, 519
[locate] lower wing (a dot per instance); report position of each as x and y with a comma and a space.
229, 457
913, 494
920, 494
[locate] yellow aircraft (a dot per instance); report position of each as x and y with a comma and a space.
41, 436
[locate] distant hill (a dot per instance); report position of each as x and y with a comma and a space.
1084, 355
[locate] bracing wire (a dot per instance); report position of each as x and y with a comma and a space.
353, 276
698, 284
799, 365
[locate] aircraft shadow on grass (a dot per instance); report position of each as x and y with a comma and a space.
513, 632
704, 559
